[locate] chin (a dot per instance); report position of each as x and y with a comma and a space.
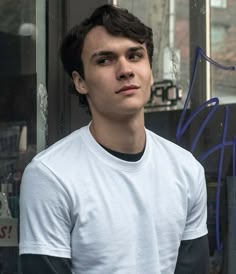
133, 110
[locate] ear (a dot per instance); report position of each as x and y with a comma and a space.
79, 83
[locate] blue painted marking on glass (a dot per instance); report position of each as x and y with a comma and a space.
185, 123
182, 126
234, 160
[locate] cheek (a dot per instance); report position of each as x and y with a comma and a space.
150, 76
97, 79
98, 90
152, 80
149, 79
146, 74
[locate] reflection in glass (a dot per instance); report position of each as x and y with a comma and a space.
223, 43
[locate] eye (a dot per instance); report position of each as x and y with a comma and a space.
135, 56
104, 61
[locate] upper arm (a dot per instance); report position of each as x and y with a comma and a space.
196, 222
45, 222
193, 254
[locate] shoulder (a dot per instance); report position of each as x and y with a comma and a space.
64, 146
64, 152
180, 163
55, 163
171, 150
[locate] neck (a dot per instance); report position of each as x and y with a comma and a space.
126, 136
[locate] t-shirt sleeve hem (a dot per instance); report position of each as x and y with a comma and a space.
194, 234
42, 250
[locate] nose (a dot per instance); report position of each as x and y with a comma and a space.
124, 70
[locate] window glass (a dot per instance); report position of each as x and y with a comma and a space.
218, 36
223, 42
22, 105
205, 128
219, 3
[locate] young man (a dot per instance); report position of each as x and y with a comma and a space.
113, 197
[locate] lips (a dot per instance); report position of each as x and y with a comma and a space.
127, 87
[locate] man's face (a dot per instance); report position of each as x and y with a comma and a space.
117, 72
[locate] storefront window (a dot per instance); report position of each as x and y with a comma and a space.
205, 125
23, 109
223, 41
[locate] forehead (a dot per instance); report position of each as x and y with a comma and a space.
98, 39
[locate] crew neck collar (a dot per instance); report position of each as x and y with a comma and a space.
109, 159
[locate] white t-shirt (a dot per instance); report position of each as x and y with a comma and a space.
111, 216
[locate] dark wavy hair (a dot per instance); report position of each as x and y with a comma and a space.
118, 22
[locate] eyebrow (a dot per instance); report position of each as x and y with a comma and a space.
110, 53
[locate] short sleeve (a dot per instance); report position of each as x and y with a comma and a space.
45, 222
196, 223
